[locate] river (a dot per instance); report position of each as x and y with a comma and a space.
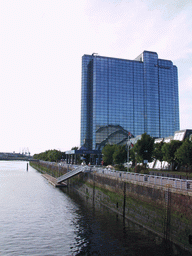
39, 219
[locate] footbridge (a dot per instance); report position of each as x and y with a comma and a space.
73, 173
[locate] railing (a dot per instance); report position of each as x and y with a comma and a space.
150, 179
175, 183
72, 173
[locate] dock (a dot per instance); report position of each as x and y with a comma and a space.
53, 181
61, 181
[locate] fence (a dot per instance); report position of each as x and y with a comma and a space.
182, 184
151, 179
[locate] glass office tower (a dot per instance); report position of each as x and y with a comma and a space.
120, 96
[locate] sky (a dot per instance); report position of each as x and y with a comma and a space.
41, 46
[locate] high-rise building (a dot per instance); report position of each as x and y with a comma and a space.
120, 96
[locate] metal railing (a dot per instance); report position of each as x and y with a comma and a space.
182, 184
175, 183
72, 173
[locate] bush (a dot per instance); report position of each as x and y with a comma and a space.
138, 168
144, 171
120, 167
141, 169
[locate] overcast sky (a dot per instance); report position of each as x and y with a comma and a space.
42, 42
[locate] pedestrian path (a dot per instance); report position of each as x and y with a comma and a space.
53, 181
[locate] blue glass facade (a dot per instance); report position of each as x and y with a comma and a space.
120, 96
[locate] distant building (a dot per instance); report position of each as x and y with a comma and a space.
120, 96
178, 135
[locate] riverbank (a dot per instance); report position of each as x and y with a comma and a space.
166, 213
158, 209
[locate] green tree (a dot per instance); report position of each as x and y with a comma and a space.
157, 152
108, 152
184, 154
74, 148
144, 148
41, 156
52, 155
120, 154
169, 150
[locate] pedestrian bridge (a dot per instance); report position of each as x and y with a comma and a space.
72, 173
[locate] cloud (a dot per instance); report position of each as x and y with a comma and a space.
170, 8
131, 27
187, 82
185, 96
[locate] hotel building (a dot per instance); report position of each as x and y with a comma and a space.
119, 96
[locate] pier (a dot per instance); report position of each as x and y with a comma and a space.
53, 181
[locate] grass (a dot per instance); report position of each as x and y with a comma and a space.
183, 174
53, 171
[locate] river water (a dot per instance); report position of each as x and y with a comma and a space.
38, 219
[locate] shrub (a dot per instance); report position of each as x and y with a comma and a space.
120, 167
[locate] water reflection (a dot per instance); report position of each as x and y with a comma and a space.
38, 219
102, 232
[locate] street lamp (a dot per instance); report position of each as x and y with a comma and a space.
135, 161
128, 145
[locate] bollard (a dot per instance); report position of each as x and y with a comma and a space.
27, 167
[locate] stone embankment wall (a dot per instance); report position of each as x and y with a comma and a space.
160, 210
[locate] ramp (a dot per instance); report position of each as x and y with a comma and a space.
70, 174
53, 181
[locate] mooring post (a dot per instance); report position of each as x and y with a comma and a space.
124, 202
93, 188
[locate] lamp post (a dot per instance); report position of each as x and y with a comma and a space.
128, 153
145, 161
128, 144
135, 161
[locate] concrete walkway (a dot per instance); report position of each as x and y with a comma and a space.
53, 181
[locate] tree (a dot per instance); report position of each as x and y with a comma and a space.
184, 153
108, 152
41, 156
74, 148
157, 152
120, 154
52, 155
169, 150
144, 148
